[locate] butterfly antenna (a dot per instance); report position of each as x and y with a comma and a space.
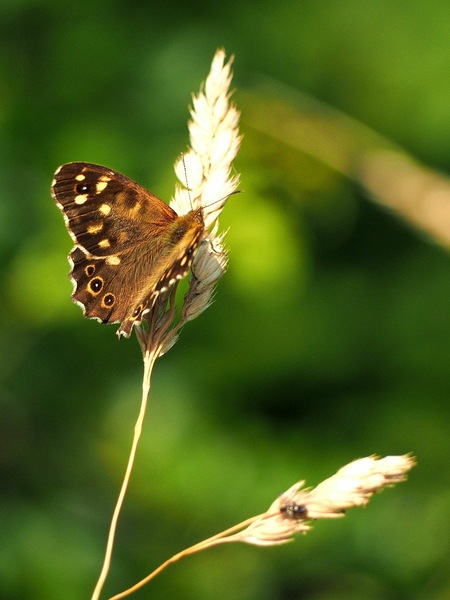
188, 189
224, 198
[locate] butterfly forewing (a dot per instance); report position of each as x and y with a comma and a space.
104, 210
129, 245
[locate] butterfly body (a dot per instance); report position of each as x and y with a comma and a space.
129, 245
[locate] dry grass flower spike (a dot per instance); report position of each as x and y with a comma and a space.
214, 143
292, 512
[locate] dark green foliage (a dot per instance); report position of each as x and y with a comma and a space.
329, 338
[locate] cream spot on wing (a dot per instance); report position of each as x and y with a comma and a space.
80, 177
80, 199
95, 228
104, 243
105, 209
113, 260
137, 207
101, 185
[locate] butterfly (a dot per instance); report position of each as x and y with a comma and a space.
130, 246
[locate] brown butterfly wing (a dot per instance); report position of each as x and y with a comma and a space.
105, 212
130, 245
175, 256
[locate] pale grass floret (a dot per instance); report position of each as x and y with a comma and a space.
215, 140
205, 181
209, 265
353, 485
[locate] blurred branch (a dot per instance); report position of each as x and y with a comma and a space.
390, 175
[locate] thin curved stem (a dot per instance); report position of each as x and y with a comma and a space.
215, 540
149, 361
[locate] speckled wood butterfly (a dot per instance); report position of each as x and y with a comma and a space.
130, 246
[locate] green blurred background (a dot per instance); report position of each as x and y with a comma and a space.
329, 338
